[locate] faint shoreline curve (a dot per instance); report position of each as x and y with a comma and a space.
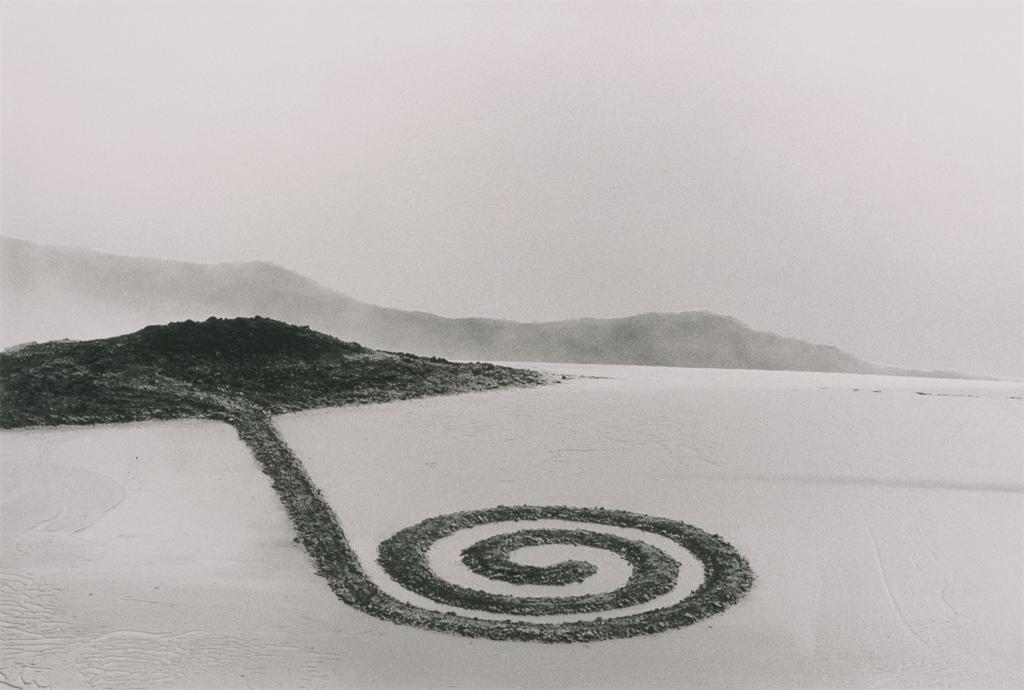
891, 483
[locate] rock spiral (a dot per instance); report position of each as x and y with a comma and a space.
727, 575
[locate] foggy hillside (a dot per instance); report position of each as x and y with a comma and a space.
50, 293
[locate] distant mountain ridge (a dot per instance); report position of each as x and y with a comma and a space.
49, 293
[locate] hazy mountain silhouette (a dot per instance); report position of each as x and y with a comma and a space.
48, 293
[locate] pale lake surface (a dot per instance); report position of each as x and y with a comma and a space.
883, 517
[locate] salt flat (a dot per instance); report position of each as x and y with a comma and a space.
883, 517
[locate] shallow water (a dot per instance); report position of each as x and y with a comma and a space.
151, 555
885, 527
886, 530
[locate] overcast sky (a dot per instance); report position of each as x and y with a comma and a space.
845, 173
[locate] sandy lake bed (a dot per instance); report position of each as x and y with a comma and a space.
883, 518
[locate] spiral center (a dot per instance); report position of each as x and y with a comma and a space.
610, 570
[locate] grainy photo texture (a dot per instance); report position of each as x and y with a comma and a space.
511, 344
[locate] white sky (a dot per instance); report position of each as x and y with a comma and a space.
844, 173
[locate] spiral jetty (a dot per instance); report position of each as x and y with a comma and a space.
243, 371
